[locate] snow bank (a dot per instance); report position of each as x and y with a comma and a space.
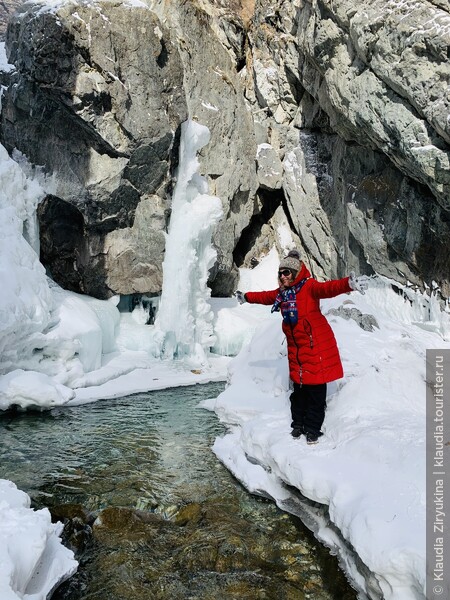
33, 562
30, 389
369, 467
88, 324
49, 338
234, 333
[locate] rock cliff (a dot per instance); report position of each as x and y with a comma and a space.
327, 118
358, 96
97, 99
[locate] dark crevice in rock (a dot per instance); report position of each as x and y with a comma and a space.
240, 64
163, 57
270, 201
285, 207
237, 38
96, 140
297, 90
61, 237
68, 252
99, 102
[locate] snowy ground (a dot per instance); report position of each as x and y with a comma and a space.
369, 467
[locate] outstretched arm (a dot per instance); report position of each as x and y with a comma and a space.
261, 297
329, 289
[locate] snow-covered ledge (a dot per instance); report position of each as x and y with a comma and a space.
33, 561
368, 470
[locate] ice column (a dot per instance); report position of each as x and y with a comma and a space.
185, 317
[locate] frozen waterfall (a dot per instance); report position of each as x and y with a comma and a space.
184, 322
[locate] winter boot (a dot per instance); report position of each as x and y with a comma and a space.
297, 431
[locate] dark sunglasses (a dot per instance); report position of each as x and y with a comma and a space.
285, 272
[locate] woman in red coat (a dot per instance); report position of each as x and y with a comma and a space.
312, 350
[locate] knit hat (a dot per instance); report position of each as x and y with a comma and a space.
291, 261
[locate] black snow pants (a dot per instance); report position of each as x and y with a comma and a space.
308, 404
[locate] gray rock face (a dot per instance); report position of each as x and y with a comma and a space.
127, 251
270, 168
100, 110
216, 98
355, 100
327, 119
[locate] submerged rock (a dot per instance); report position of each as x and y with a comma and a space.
190, 514
66, 512
115, 523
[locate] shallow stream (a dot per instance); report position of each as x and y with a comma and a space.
149, 510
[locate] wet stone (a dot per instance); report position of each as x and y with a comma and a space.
115, 526
189, 514
67, 512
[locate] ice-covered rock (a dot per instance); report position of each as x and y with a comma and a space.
29, 389
33, 561
49, 337
185, 317
25, 294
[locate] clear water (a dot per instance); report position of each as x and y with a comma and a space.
151, 513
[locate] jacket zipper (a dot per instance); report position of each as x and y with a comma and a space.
298, 351
308, 330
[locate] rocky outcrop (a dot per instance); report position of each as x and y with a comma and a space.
97, 100
328, 119
378, 87
215, 96
355, 100
8, 7
101, 111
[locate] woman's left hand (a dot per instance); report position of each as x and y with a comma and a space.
359, 284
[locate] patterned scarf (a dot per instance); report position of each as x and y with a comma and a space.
286, 300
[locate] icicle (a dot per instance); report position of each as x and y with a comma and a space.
185, 318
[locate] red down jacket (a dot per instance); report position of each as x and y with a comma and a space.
312, 350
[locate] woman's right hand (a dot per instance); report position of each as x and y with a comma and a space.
240, 297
